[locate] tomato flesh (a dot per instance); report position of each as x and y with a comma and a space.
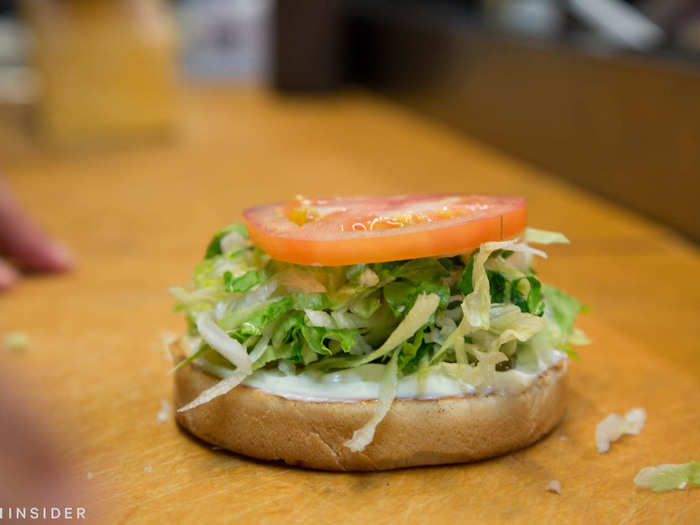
353, 230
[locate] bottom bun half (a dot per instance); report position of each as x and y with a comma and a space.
415, 431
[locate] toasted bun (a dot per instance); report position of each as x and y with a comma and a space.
415, 432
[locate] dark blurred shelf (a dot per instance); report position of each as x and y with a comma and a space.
625, 125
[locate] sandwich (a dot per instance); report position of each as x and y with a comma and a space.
372, 333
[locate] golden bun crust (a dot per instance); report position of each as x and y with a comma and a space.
415, 432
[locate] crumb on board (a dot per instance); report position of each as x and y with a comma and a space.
563, 438
554, 486
148, 468
615, 426
16, 341
164, 412
89, 475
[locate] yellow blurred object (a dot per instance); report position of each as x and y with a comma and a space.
106, 70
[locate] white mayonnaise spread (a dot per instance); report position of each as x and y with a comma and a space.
442, 380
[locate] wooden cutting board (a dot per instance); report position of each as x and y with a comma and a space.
139, 220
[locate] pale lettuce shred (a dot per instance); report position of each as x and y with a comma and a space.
364, 435
669, 476
201, 298
476, 307
480, 312
224, 386
230, 349
319, 318
231, 241
424, 307
544, 237
16, 341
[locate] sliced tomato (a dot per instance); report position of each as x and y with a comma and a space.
354, 230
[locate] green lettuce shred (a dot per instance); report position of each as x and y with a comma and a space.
243, 283
483, 305
563, 309
669, 477
544, 237
214, 247
16, 341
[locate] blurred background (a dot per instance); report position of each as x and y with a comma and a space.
601, 92
133, 129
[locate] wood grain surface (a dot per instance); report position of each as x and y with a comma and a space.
139, 220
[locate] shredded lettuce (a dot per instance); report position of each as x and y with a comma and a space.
253, 325
423, 308
669, 476
401, 295
561, 308
215, 245
16, 341
482, 312
300, 280
244, 282
195, 300
220, 341
561, 311
387, 392
544, 237
230, 349
365, 307
219, 389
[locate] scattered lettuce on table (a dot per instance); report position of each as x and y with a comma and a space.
669, 477
485, 311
